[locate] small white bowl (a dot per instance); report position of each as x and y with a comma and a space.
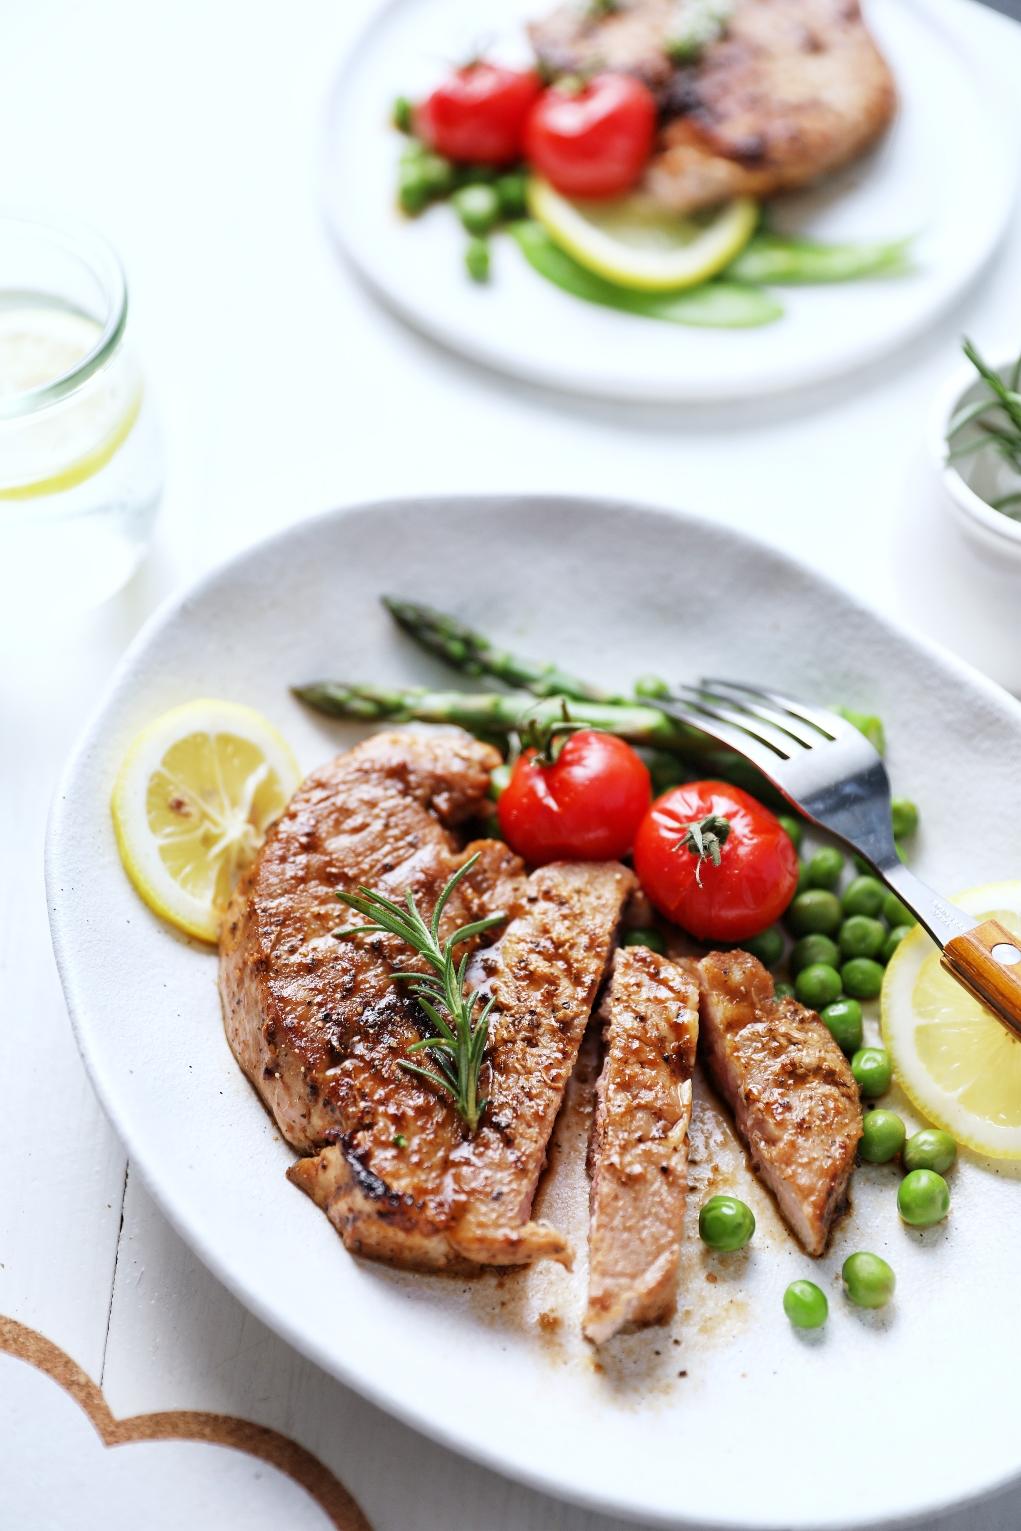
984, 474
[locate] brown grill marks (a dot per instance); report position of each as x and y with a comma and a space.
791, 1090
321, 1030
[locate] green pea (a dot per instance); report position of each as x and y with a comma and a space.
861, 936
794, 828
438, 174
478, 208
811, 949
767, 946
930, 1149
643, 936
895, 913
825, 868
868, 1280
893, 940
882, 1137
864, 895
498, 779
476, 259
873, 1071
814, 912
868, 724
817, 986
803, 884
412, 190
725, 1223
783, 990
510, 191
862, 978
805, 1305
843, 1018
651, 685
401, 114
923, 1199
905, 818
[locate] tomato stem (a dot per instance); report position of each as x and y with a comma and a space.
547, 737
705, 838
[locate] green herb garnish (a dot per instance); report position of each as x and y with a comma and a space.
996, 417
458, 1042
698, 24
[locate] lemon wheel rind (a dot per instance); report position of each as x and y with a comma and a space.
926, 1094
137, 846
688, 266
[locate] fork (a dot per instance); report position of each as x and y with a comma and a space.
832, 775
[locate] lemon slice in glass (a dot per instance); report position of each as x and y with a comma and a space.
957, 1062
638, 244
195, 795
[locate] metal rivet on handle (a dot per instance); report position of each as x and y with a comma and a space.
1005, 954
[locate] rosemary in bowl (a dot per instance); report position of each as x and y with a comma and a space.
988, 421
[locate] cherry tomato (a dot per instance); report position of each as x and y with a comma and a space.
478, 114
594, 141
586, 806
757, 873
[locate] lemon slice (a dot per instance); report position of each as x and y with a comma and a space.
636, 243
959, 1065
195, 795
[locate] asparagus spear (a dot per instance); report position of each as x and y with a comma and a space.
495, 713
473, 654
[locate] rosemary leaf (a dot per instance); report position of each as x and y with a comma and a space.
457, 1042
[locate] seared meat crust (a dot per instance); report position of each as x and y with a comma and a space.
320, 1028
545, 972
638, 1154
791, 1090
793, 90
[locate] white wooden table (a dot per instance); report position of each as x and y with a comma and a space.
189, 134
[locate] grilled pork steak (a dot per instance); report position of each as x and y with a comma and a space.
545, 972
792, 90
638, 1154
789, 1086
320, 1028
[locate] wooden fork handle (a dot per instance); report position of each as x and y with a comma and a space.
987, 962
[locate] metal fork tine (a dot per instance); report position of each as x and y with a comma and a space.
757, 727
778, 718
735, 736
827, 724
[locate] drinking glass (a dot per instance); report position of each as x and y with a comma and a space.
80, 462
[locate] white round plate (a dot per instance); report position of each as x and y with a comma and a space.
729, 1418
941, 174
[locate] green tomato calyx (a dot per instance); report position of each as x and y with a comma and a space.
705, 839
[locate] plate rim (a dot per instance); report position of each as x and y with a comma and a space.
60, 833
730, 390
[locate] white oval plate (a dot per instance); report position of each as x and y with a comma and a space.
941, 174
882, 1415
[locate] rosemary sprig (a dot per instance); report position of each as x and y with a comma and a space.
457, 1044
995, 417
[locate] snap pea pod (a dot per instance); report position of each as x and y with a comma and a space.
713, 305
779, 259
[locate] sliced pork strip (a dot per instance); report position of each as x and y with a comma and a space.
638, 1154
791, 1090
545, 972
